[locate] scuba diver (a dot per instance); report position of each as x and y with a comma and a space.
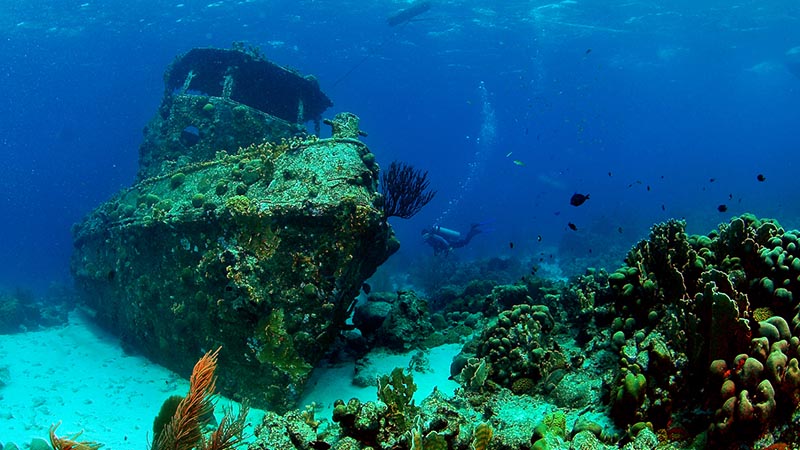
444, 239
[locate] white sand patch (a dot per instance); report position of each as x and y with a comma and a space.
331, 383
80, 376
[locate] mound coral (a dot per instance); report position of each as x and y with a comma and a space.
724, 301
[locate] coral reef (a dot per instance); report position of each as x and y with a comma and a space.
519, 348
693, 343
707, 321
402, 324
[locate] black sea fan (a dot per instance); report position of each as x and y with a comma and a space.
405, 190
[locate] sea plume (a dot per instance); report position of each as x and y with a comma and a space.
180, 423
405, 190
184, 431
70, 443
230, 432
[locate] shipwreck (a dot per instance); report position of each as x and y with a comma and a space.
241, 230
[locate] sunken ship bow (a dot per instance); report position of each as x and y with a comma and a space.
240, 230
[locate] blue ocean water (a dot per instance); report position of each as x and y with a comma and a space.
655, 110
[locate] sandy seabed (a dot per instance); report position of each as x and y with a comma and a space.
79, 375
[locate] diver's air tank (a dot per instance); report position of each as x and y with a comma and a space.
446, 232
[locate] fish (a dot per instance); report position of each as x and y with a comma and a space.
761, 177
366, 288
508, 154
407, 15
578, 199
619, 230
518, 162
511, 245
539, 238
722, 208
572, 226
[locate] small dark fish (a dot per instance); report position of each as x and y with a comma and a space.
648, 188
590, 251
635, 182
588, 50
572, 226
510, 245
663, 208
722, 208
711, 180
619, 230
730, 196
761, 177
366, 288
578, 199
609, 173
539, 238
